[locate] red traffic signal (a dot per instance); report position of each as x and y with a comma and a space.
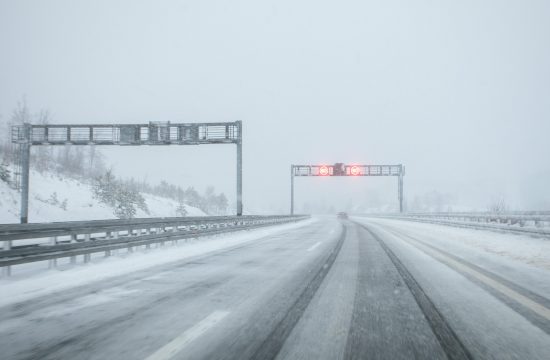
355, 170
323, 170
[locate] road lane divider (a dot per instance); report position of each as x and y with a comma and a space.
314, 246
175, 346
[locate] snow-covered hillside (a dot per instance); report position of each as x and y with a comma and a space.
53, 198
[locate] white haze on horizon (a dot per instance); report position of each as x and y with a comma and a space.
458, 92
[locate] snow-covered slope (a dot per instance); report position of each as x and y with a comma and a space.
53, 198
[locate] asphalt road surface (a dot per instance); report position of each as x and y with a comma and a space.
335, 289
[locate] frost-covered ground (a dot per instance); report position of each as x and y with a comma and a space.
54, 198
522, 259
525, 249
35, 280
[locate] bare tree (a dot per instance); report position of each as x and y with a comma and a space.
21, 114
43, 155
4, 142
497, 205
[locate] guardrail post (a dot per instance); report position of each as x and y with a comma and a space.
174, 230
240, 172
155, 231
400, 190
87, 256
147, 232
115, 236
6, 270
52, 263
73, 240
130, 234
291, 189
108, 235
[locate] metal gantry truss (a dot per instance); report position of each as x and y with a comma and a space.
341, 169
153, 133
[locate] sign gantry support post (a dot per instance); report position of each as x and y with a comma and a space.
340, 169
291, 189
153, 133
25, 153
240, 173
400, 190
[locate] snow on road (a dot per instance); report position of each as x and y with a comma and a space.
521, 248
50, 281
522, 259
495, 303
178, 344
233, 302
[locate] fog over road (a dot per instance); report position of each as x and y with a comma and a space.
333, 289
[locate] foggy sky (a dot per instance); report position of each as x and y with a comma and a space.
457, 91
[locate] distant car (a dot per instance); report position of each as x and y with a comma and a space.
342, 215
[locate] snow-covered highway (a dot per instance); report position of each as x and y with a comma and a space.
320, 289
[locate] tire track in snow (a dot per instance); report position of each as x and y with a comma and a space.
273, 344
447, 338
535, 308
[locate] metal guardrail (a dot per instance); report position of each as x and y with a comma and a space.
528, 222
25, 243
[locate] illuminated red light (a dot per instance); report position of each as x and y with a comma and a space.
323, 170
355, 170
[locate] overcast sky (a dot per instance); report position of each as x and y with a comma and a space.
457, 91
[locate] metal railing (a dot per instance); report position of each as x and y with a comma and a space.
523, 222
25, 243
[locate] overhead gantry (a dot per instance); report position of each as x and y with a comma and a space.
153, 133
341, 169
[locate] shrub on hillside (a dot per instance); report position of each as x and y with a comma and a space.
5, 174
123, 199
